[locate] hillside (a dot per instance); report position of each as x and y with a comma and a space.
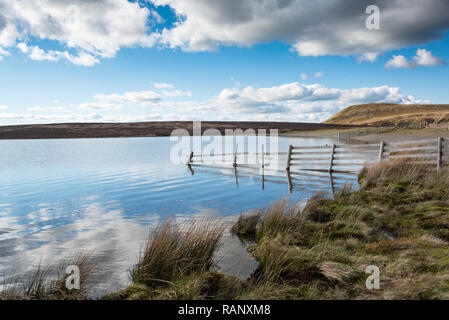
144, 129
386, 114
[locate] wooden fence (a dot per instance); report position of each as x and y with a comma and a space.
335, 158
349, 134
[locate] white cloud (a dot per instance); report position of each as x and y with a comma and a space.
133, 97
423, 58
314, 28
93, 29
39, 54
3, 53
303, 76
177, 93
368, 57
398, 61
22, 46
36, 53
99, 106
319, 74
39, 108
3, 107
82, 59
300, 102
164, 86
285, 102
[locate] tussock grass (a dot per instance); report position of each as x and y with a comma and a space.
246, 226
174, 251
48, 283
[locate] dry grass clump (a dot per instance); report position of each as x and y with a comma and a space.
49, 283
173, 252
246, 226
394, 173
279, 217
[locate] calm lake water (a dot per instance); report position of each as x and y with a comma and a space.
58, 197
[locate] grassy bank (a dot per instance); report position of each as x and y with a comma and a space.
398, 220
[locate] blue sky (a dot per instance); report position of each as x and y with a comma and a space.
67, 61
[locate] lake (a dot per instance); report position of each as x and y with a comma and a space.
60, 197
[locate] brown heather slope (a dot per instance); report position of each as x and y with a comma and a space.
387, 114
145, 129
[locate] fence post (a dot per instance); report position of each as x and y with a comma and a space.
289, 159
263, 162
235, 155
440, 153
189, 161
381, 151
289, 181
332, 158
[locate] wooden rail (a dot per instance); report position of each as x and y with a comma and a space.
343, 158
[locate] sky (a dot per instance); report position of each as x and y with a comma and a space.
256, 60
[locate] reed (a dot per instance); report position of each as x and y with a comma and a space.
48, 283
173, 251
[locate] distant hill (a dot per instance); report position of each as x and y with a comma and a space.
145, 129
387, 114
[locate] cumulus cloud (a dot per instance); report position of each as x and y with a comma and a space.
132, 97
39, 108
423, 58
368, 57
3, 107
36, 53
164, 86
301, 102
3, 53
303, 76
99, 106
314, 28
286, 102
177, 93
92, 29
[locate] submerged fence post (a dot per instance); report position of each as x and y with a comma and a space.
189, 161
235, 155
289, 181
440, 153
331, 162
263, 162
381, 151
331, 181
289, 158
